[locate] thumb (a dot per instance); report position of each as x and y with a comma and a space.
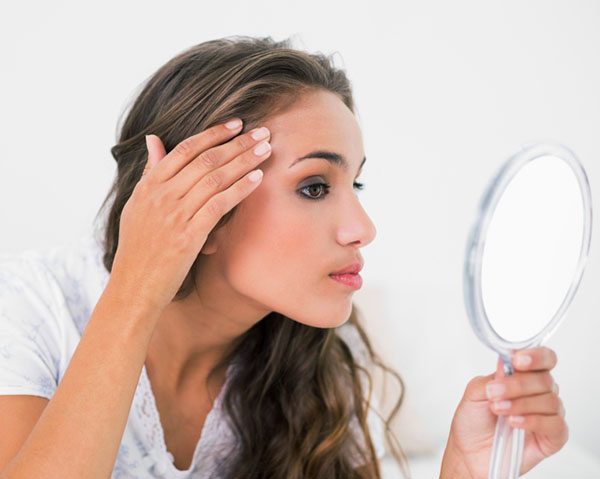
156, 151
499, 369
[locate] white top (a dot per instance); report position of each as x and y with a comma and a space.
46, 298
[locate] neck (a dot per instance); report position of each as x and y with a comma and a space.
193, 335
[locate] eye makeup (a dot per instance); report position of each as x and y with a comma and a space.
326, 186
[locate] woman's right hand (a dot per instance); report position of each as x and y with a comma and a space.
175, 205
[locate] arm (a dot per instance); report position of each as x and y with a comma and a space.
79, 432
452, 465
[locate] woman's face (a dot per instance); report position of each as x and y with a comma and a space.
285, 239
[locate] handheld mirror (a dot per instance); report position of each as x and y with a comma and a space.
524, 260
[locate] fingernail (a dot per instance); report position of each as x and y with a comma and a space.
501, 404
494, 390
555, 388
262, 148
260, 134
255, 175
518, 419
522, 360
147, 145
233, 124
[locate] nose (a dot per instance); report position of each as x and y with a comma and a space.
355, 227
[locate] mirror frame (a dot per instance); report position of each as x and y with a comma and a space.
476, 245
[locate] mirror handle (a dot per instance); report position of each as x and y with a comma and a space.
507, 450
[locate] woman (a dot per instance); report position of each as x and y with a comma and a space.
233, 207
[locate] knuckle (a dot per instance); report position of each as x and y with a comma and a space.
177, 244
547, 381
561, 408
215, 133
142, 187
209, 160
244, 142
173, 218
475, 385
555, 403
247, 159
157, 202
213, 181
184, 148
214, 207
471, 384
474, 382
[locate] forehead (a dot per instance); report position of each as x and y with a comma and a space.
318, 120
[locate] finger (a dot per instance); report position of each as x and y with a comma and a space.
475, 390
209, 168
548, 404
223, 178
191, 147
209, 215
499, 369
554, 427
156, 150
520, 384
535, 359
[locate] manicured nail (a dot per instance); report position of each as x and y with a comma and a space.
262, 148
233, 124
147, 145
494, 390
522, 360
517, 419
255, 175
501, 405
260, 133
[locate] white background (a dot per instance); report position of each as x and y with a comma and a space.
445, 92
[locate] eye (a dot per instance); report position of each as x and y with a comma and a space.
316, 187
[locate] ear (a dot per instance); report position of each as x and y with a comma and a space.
211, 245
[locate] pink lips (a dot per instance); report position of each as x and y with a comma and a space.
349, 276
353, 281
352, 269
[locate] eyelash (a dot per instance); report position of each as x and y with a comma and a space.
357, 185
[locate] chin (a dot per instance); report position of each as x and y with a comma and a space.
331, 321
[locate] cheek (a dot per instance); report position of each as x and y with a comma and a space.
278, 257
271, 235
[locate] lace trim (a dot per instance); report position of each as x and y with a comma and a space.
158, 457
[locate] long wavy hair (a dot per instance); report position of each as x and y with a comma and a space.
295, 388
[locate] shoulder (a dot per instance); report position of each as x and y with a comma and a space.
64, 281
24, 280
46, 297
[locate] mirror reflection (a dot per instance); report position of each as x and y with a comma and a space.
532, 248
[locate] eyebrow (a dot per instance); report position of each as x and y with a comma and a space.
333, 158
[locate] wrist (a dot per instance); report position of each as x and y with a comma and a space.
122, 298
453, 463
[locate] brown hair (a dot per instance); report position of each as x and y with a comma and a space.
295, 388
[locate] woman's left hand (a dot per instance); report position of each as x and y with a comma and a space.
529, 393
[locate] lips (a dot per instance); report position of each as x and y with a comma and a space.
353, 281
352, 269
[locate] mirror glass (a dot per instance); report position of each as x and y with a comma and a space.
532, 248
